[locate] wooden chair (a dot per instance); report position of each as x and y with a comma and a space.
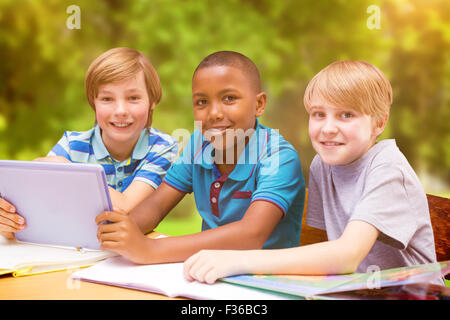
440, 221
310, 235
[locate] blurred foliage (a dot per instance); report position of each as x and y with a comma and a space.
43, 63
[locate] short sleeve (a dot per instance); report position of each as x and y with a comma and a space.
314, 204
156, 165
386, 206
280, 179
62, 148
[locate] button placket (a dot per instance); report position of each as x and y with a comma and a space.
215, 189
214, 192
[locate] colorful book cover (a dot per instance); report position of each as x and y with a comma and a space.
415, 291
309, 286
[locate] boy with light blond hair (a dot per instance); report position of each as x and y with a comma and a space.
362, 192
123, 88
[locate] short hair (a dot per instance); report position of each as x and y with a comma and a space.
119, 64
236, 60
358, 85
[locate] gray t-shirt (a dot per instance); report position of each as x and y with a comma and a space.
382, 189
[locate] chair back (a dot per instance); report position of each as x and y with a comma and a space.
440, 220
310, 235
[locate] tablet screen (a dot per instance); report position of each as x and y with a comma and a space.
59, 201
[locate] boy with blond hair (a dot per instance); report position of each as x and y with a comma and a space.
123, 88
362, 192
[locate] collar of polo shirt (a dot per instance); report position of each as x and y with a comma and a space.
253, 152
139, 152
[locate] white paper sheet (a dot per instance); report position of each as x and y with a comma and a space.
167, 279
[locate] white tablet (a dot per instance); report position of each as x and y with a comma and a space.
59, 201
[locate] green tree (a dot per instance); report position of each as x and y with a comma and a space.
44, 62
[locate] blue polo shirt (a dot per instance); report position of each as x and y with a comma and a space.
151, 157
268, 169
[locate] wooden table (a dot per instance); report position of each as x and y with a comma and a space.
59, 286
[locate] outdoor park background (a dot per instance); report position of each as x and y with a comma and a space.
43, 62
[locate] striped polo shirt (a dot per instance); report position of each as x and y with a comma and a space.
150, 159
268, 170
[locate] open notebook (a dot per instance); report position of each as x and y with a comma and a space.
167, 279
21, 259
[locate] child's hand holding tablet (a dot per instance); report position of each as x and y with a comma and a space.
10, 221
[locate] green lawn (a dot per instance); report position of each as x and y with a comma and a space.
180, 226
444, 194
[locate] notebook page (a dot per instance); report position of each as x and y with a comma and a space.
167, 279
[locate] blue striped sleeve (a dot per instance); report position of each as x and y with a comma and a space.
155, 165
155, 139
151, 178
158, 160
61, 148
58, 150
80, 146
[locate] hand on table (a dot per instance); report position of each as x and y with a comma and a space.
209, 265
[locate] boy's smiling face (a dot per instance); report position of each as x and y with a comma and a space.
122, 110
225, 100
340, 135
